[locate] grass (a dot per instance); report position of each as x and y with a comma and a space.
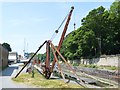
76, 64
89, 66
40, 81
100, 67
108, 67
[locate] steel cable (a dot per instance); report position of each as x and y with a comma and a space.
56, 31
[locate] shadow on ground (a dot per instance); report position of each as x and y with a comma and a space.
9, 70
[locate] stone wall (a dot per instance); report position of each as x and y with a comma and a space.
3, 57
106, 60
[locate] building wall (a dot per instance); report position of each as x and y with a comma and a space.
3, 57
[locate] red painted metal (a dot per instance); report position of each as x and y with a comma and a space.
47, 65
63, 34
70, 68
35, 61
47, 61
59, 67
38, 62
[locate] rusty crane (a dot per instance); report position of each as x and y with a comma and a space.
56, 51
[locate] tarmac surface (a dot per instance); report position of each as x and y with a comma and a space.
7, 74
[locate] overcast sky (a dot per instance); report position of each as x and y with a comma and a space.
35, 22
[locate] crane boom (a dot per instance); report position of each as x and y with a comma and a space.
63, 34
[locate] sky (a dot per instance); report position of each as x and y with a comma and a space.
28, 24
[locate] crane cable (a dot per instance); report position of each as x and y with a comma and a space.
56, 31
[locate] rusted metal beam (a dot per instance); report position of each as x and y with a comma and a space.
58, 63
63, 34
65, 28
47, 65
82, 83
30, 59
47, 61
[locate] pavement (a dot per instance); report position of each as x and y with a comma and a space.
10, 72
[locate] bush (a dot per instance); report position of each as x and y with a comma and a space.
92, 66
75, 64
89, 66
111, 68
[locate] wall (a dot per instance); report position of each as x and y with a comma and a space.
106, 60
3, 57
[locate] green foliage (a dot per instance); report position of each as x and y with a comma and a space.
89, 66
114, 68
76, 64
99, 34
7, 46
109, 67
92, 66
100, 67
42, 57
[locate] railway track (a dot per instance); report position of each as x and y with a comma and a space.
89, 80
110, 77
106, 74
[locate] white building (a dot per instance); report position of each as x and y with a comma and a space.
13, 57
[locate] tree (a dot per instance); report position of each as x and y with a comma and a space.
79, 43
7, 46
99, 34
95, 21
114, 19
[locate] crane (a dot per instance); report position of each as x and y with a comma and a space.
63, 35
47, 68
